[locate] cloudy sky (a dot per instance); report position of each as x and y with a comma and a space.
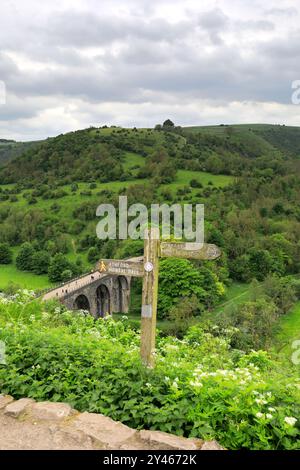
69, 64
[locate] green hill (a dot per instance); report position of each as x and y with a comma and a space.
102, 154
10, 149
264, 138
244, 175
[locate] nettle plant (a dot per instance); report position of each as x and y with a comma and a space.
200, 387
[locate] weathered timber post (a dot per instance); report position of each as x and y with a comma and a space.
149, 296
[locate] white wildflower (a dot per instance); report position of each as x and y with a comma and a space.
290, 420
196, 384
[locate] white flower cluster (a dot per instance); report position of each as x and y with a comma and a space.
260, 415
241, 375
94, 332
174, 384
4, 299
290, 420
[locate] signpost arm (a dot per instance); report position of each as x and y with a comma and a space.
149, 298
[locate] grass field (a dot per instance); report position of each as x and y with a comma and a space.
236, 294
289, 330
9, 274
133, 160
184, 177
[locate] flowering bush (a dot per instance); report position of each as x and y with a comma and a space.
200, 386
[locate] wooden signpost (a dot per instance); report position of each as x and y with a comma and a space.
148, 269
121, 267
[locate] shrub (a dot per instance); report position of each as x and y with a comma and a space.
24, 258
182, 315
59, 265
196, 184
180, 278
40, 262
6, 255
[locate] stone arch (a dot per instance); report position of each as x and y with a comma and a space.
122, 289
82, 303
103, 300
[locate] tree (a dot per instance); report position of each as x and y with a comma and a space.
168, 123
25, 257
281, 291
182, 315
40, 262
58, 266
93, 254
66, 275
180, 278
214, 164
239, 268
5, 254
255, 322
196, 184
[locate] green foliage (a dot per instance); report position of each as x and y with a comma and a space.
168, 123
60, 268
195, 183
6, 255
93, 255
256, 220
130, 248
280, 290
182, 315
201, 387
255, 322
24, 259
40, 262
180, 278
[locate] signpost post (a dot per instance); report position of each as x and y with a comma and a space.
148, 269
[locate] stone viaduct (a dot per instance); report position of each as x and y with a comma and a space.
100, 294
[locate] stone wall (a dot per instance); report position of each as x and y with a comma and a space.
28, 424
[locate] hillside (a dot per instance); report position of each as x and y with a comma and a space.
9, 149
225, 328
262, 138
93, 154
250, 188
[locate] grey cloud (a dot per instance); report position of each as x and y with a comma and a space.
290, 11
7, 67
214, 22
221, 75
86, 29
155, 61
15, 109
261, 25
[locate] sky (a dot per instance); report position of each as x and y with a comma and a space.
71, 64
